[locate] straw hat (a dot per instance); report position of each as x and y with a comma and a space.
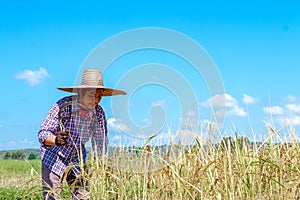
93, 79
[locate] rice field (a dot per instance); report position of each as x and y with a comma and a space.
232, 169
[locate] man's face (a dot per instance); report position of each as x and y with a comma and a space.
90, 99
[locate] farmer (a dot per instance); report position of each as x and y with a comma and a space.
68, 126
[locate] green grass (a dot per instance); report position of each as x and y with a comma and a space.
19, 177
11, 193
22, 167
16, 173
17, 193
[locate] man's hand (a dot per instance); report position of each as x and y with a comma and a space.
62, 138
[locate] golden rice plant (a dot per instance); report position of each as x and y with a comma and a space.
233, 168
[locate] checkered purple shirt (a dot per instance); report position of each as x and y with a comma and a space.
57, 158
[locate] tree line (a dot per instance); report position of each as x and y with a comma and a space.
18, 155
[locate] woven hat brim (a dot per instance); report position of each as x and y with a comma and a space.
103, 90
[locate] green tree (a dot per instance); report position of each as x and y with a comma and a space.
31, 156
18, 155
7, 155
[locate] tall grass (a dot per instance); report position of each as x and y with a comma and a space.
231, 169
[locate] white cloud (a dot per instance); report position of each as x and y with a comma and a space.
33, 77
146, 121
192, 113
25, 142
295, 120
237, 111
116, 127
248, 99
16, 144
8, 145
161, 103
221, 100
285, 117
290, 98
226, 101
293, 107
275, 110
292, 120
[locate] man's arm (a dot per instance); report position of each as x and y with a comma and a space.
49, 134
49, 127
50, 141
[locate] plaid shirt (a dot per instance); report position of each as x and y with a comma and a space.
57, 158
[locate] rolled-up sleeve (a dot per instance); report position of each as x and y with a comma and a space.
50, 125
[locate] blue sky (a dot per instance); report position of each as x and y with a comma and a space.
254, 45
